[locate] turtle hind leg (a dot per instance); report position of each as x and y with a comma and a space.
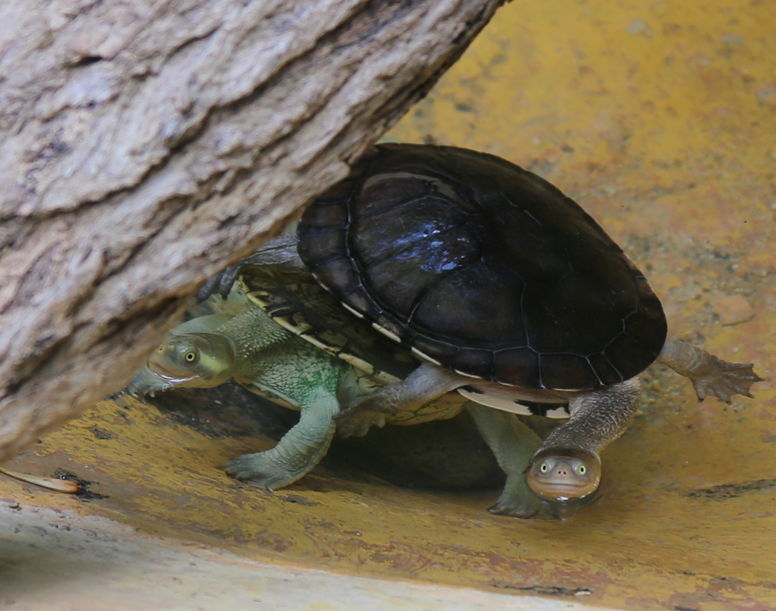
513, 443
297, 452
426, 383
358, 423
710, 376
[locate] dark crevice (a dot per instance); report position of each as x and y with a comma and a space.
731, 491
545, 590
87, 60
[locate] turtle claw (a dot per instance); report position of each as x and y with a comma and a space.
531, 508
146, 384
711, 376
261, 470
365, 406
519, 501
220, 284
525, 511
357, 423
724, 380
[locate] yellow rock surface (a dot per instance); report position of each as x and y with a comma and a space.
659, 118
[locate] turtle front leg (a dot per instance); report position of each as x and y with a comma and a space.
297, 452
708, 374
280, 251
512, 443
567, 465
146, 383
422, 386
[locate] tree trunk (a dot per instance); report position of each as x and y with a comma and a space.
147, 144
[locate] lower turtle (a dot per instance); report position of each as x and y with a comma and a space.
282, 336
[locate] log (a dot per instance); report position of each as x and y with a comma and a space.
147, 144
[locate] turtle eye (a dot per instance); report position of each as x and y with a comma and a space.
544, 467
190, 357
581, 469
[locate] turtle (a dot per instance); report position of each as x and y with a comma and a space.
282, 336
505, 290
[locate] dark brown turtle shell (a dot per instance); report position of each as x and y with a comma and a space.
482, 267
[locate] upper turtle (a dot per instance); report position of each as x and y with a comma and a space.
484, 268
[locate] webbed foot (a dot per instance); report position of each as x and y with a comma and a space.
220, 284
518, 501
279, 252
724, 380
540, 510
358, 423
297, 452
423, 385
517, 508
366, 408
265, 470
710, 375
146, 384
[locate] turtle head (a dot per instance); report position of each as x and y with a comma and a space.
562, 474
194, 360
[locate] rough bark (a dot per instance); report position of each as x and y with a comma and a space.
147, 144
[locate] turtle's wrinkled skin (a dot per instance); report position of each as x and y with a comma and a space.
507, 290
282, 336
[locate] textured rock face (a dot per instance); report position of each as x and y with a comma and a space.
146, 145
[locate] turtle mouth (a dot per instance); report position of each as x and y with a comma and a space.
169, 376
564, 491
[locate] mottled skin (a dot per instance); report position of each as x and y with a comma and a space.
248, 346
